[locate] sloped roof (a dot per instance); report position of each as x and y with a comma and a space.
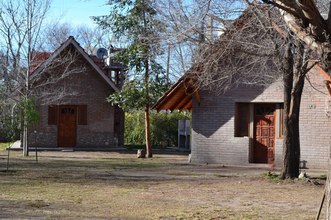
180, 95
37, 59
71, 41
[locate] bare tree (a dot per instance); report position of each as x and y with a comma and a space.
55, 34
90, 38
310, 22
191, 23
44, 84
250, 51
20, 28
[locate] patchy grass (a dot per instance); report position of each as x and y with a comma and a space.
272, 176
3, 146
94, 185
321, 177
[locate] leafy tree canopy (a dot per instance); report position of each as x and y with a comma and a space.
137, 22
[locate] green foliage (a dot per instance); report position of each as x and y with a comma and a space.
136, 21
134, 128
163, 128
271, 176
29, 108
3, 146
9, 122
132, 98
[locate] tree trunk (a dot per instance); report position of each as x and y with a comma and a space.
25, 129
291, 145
328, 193
294, 78
25, 140
147, 122
147, 133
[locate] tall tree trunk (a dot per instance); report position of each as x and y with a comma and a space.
147, 122
146, 82
294, 77
27, 83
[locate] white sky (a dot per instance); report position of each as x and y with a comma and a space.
77, 12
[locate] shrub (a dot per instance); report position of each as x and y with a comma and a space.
164, 128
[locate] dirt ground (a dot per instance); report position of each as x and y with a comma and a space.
109, 185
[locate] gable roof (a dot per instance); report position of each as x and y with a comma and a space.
71, 41
37, 59
179, 96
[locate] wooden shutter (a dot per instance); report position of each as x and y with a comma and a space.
82, 114
242, 119
53, 114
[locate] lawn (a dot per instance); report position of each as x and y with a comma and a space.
95, 185
3, 146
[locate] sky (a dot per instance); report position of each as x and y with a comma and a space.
77, 12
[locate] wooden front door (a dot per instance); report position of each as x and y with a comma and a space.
67, 126
264, 133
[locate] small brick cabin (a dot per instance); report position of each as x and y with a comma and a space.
244, 125
76, 113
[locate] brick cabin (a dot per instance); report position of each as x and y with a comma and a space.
244, 125
83, 118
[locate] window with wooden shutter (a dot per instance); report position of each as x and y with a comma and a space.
53, 114
241, 120
82, 114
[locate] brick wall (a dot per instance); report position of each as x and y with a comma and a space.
92, 91
213, 124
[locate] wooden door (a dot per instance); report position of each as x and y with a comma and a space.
264, 133
67, 126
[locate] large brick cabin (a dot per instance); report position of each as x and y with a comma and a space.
244, 125
82, 118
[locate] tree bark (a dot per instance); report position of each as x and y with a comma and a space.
25, 139
328, 193
147, 133
147, 95
147, 122
294, 78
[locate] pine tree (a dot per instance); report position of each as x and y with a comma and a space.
136, 21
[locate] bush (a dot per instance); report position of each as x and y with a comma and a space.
9, 124
164, 128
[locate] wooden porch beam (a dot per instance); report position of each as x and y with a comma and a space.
172, 98
188, 106
184, 102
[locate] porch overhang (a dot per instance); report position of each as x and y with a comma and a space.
180, 95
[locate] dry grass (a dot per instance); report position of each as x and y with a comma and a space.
86, 185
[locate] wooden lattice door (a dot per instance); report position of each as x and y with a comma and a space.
264, 133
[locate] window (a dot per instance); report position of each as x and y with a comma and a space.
241, 119
82, 114
53, 114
